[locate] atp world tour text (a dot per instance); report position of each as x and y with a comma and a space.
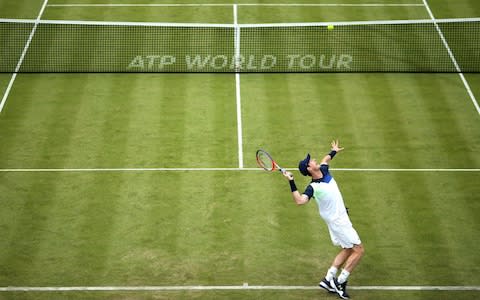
239, 62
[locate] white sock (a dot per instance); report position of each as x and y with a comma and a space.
332, 272
343, 276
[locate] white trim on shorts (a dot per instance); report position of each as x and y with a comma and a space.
343, 235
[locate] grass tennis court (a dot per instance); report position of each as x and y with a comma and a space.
134, 180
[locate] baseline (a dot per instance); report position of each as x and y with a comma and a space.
220, 169
245, 286
230, 4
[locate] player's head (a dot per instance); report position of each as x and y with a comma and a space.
308, 165
303, 166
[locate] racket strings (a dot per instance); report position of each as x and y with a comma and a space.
265, 161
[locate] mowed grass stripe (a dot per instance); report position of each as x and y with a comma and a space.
194, 260
423, 234
24, 9
92, 237
387, 110
186, 14
211, 108
457, 224
295, 121
413, 211
31, 119
352, 111
115, 121
279, 238
450, 117
361, 107
104, 122
394, 108
461, 9
56, 118
296, 14
100, 207
146, 240
427, 217
442, 121
88, 120
229, 214
24, 225
207, 134
408, 218
160, 119
127, 229
404, 128
474, 81
14, 120
373, 216
316, 115
365, 218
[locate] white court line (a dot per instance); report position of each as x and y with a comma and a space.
237, 88
452, 57
22, 57
230, 4
19, 170
245, 286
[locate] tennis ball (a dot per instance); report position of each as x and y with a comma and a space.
330, 27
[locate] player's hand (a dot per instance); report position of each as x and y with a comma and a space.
288, 175
336, 146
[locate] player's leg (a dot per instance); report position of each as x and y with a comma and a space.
352, 261
339, 260
354, 258
348, 238
342, 257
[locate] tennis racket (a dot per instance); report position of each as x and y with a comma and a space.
266, 161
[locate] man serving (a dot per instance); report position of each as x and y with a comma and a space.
324, 189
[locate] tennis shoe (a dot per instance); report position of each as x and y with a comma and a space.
325, 284
341, 289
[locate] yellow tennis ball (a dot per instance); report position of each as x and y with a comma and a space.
330, 27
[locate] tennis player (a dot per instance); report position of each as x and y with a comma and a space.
332, 209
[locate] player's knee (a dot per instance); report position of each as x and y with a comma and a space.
359, 250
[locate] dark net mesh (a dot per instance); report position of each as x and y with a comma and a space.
410, 47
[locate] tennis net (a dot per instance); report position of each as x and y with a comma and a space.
443, 45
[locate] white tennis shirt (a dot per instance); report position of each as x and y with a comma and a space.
328, 197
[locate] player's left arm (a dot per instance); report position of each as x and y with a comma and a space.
335, 149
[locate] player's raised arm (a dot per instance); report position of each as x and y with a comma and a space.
335, 148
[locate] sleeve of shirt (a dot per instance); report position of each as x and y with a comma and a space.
309, 192
324, 169
326, 173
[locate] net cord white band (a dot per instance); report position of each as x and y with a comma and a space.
312, 24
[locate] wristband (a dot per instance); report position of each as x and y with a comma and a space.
293, 187
332, 153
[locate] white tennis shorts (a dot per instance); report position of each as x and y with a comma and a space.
343, 234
